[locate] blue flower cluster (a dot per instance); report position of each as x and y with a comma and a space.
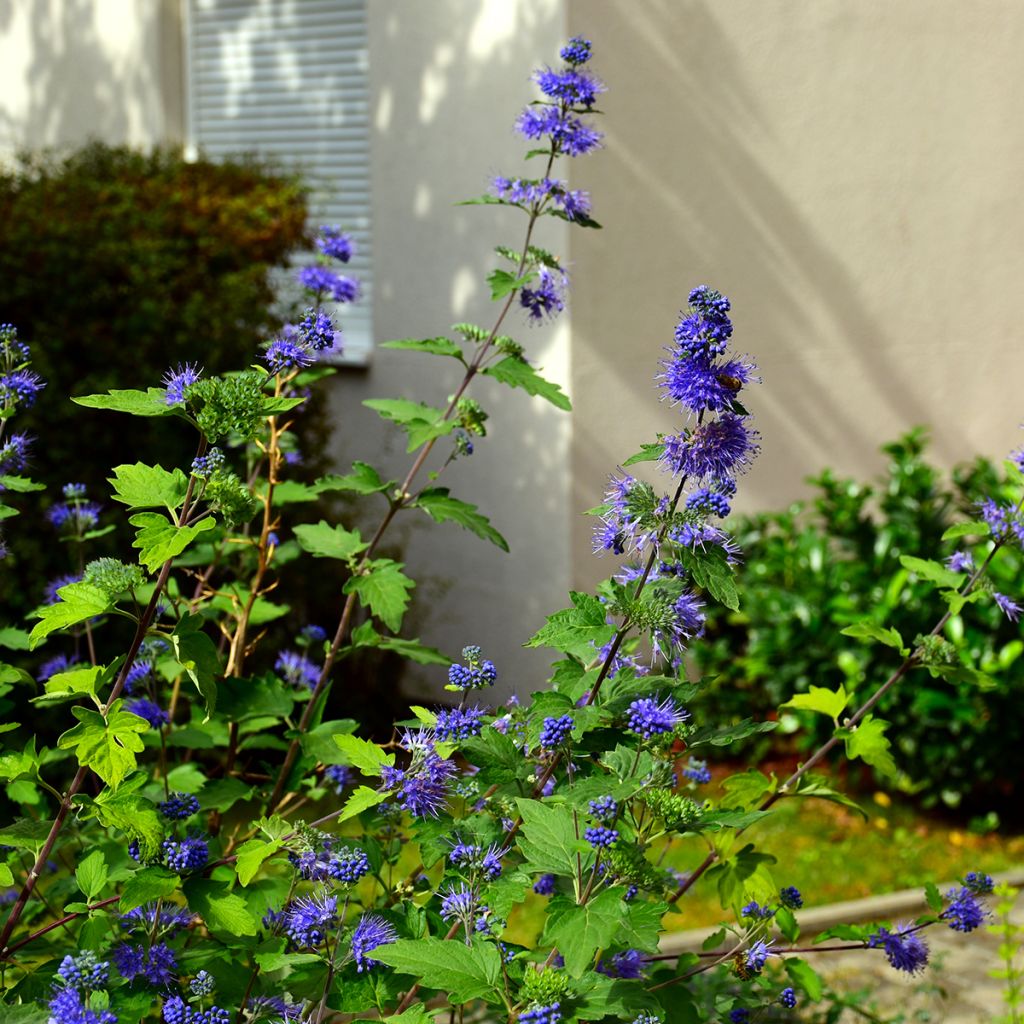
601, 837
904, 949
177, 1011
297, 669
647, 718
308, 919
475, 860
458, 723
298, 345
156, 964
536, 1014
371, 932
555, 731
179, 806
422, 787
77, 976
74, 515
604, 808
177, 381
345, 864
188, 854
477, 673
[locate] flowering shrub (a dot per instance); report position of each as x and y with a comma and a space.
163, 865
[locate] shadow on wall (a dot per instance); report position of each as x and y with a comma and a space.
687, 130
90, 73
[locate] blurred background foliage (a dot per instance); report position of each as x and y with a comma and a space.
823, 564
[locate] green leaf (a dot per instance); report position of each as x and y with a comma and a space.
421, 422
288, 492
274, 404
152, 402
503, 283
363, 479
223, 794
361, 800
20, 484
744, 877
6, 511
73, 684
497, 757
579, 932
319, 742
976, 529
363, 754
547, 837
133, 815
934, 572
272, 960
107, 747
647, 453
91, 874
78, 602
23, 1013
430, 346
142, 486
462, 972
366, 636
710, 569
868, 630
251, 855
197, 654
580, 630
746, 789
442, 507
221, 910
152, 883
868, 742
934, 897
159, 539
822, 700
804, 976
6, 875
517, 373
25, 833
384, 590
817, 787
14, 639
785, 921
325, 541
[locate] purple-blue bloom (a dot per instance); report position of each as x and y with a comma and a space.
601, 837
14, 454
371, 932
790, 897
189, 854
308, 919
335, 243
905, 950
960, 561
714, 450
702, 385
458, 723
20, 388
537, 1014
697, 771
787, 998
964, 912
572, 87
979, 882
648, 718
297, 669
325, 282
604, 808
284, 354
547, 296
545, 885
176, 381
628, 964
339, 774
158, 965
179, 806
555, 731
457, 901
1008, 606
149, 710
569, 134
85, 970
50, 595
66, 1008
576, 51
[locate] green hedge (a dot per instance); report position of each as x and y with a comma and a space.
116, 264
819, 566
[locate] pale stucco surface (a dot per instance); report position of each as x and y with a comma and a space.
848, 172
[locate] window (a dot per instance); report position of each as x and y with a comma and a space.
289, 79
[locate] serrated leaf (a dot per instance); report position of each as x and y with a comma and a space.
319, 742
322, 540
362, 800
158, 539
142, 486
6, 511
6, 875
197, 654
152, 402
223, 794
934, 572
152, 883
579, 932
438, 503
869, 743
934, 897
91, 874
709, 568
107, 747
975, 529
817, 787
870, 631
78, 602
517, 373
746, 789
647, 453
133, 815
251, 855
366, 636
547, 837
274, 404
221, 910
785, 921
19, 484
384, 590
363, 754
24, 833
429, 346
363, 479
272, 960
462, 972
822, 700
580, 630
503, 283
289, 492
14, 639
71, 685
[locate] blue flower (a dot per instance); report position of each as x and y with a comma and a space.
66, 1008
569, 134
546, 297
179, 806
757, 955
555, 731
308, 919
787, 997
176, 381
149, 710
714, 450
457, 901
325, 282
189, 854
755, 911
1009, 607
601, 837
960, 561
370, 933
697, 771
52, 666
702, 385
297, 669
458, 724
85, 970
475, 859
628, 964
158, 965
575, 88
545, 885
576, 51
284, 354
964, 912
476, 674
604, 808
538, 1014
423, 786
905, 950
790, 897
172, 919
648, 718
739, 1015
709, 503
14, 454
335, 243
978, 882
20, 388
203, 984
340, 775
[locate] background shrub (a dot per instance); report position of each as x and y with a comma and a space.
824, 564
116, 264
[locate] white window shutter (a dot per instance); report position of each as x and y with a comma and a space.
289, 79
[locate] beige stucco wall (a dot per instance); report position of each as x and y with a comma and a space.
447, 81
849, 173
75, 69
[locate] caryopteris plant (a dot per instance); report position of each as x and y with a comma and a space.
198, 842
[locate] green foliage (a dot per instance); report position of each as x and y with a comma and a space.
846, 564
